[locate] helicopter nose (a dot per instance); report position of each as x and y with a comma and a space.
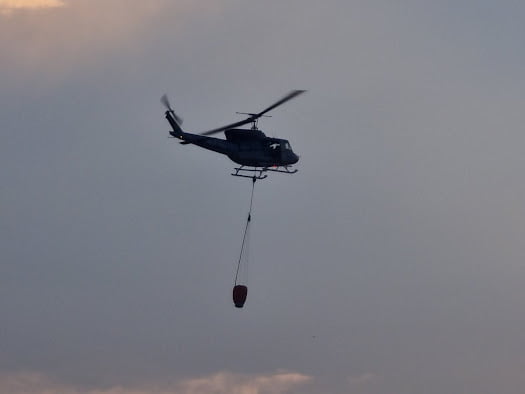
295, 158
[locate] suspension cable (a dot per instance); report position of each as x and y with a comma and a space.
245, 230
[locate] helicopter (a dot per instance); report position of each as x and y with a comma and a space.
250, 148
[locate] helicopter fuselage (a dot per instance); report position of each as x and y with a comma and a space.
247, 147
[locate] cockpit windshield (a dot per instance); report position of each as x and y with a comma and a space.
287, 145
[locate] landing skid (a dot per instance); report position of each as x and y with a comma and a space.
258, 173
286, 170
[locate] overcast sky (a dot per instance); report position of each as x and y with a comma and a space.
393, 262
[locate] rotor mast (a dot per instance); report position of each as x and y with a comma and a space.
254, 118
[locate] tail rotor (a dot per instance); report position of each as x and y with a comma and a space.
174, 120
166, 102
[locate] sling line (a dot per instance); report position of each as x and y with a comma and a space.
245, 230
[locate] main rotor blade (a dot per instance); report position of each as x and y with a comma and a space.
166, 102
289, 96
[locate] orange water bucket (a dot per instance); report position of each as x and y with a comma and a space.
239, 295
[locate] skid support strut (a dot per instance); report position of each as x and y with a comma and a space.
254, 172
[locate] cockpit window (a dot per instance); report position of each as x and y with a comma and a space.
287, 146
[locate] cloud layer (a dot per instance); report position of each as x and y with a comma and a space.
219, 383
73, 36
8, 6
